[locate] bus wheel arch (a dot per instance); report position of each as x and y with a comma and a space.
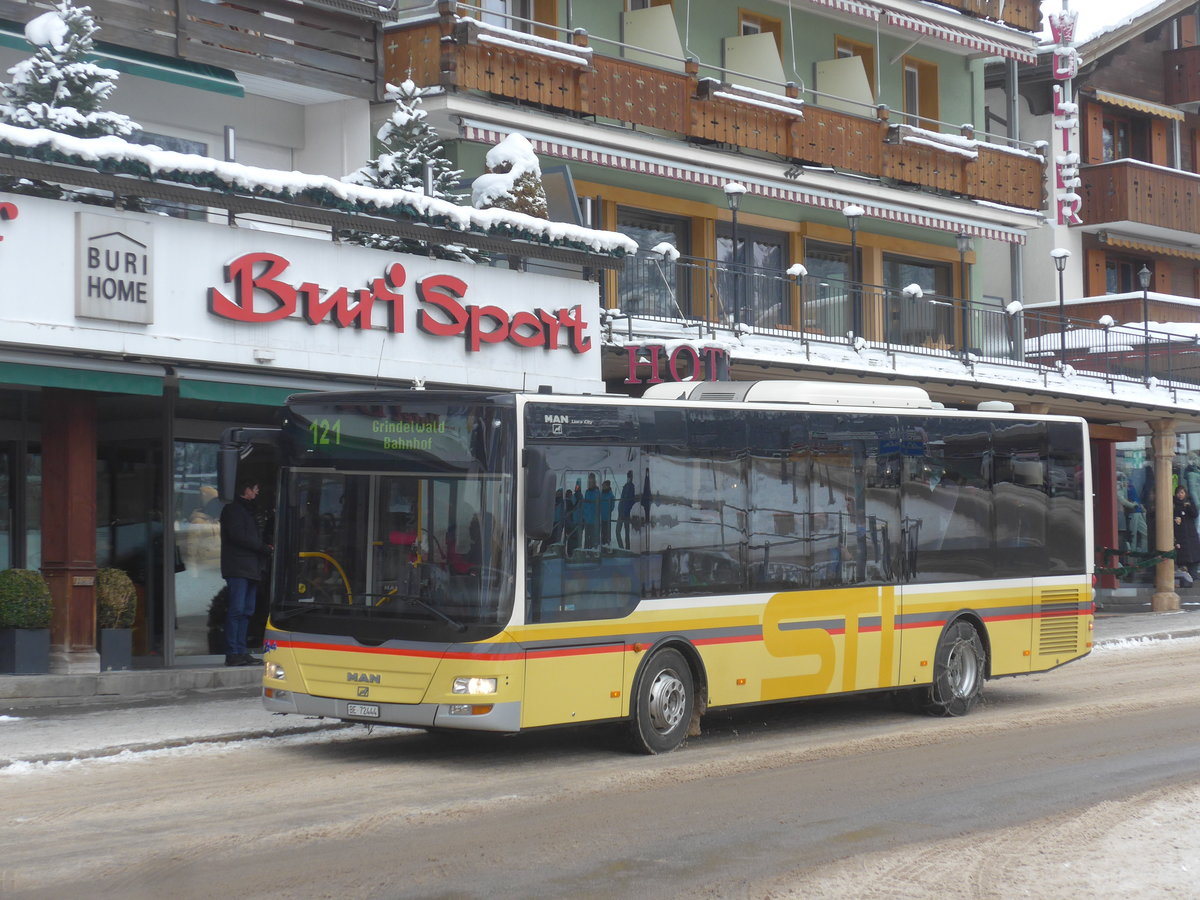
668, 697
960, 667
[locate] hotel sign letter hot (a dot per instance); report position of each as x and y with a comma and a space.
114, 269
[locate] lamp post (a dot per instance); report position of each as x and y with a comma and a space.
852, 214
964, 244
1060, 257
733, 196
1144, 280
1107, 322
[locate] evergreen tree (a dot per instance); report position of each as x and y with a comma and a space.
407, 142
58, 88
513, 180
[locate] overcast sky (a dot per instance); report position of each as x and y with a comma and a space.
1098, 15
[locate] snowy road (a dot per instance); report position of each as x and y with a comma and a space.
1080, 782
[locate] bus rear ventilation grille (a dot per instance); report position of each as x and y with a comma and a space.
1058, 629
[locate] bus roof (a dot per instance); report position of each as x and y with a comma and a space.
817, 393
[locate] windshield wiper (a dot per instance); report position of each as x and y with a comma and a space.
413, 598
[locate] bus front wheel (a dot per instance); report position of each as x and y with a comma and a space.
959, 668
663, 703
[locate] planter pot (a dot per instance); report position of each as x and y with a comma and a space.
115, 646
25, 651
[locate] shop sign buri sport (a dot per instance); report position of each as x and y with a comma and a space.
262, 293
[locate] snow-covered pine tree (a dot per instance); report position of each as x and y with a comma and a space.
513, 179
407, 142
58, 88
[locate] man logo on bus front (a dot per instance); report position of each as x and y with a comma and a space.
363, 691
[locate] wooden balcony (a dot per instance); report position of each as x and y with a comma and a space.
1181, 75
1023, 14
311, 44
1131, 191
632, 94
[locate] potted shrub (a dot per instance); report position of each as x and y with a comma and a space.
25, 611
116, 608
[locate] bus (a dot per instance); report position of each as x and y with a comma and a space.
499, 561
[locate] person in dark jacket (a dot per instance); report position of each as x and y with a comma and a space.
243, 553
1187, 541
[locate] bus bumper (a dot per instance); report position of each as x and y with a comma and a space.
505, 717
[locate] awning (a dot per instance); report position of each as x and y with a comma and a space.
100, 380
1112, 240
1154, 109
962, 38
141, 63
228, 392
946, 33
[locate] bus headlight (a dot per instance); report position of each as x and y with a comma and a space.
274, 670
463, 685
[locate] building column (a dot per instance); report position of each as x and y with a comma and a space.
1163, 443
69, 527
1104, 503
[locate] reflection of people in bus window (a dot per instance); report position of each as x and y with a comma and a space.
625, 509
591, 512
607, 501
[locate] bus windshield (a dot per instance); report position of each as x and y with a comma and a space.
397, 514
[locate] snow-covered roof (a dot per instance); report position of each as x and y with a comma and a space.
112, 155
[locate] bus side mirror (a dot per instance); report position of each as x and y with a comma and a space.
228, 455
236, 444
539, 496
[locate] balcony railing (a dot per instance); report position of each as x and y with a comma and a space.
1131, 191
712, 297
327, 45
459, 55
1023, 14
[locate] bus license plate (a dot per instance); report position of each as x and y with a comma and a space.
366, 710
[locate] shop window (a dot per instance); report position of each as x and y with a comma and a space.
924, 321
827, 299
650, 285
751, 277
921, 92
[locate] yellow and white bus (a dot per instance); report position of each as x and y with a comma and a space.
500, 561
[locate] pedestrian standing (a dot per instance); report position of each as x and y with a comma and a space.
243, 555
1187, 541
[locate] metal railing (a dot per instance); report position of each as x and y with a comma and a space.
712, 296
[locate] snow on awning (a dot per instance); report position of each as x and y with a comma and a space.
962, 38
707, 178
1127, 102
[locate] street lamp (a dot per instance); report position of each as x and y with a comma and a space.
852, 214
733, 196
1060, 257
1144, 279
964, 244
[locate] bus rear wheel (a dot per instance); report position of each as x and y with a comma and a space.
662, 703
959, 668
